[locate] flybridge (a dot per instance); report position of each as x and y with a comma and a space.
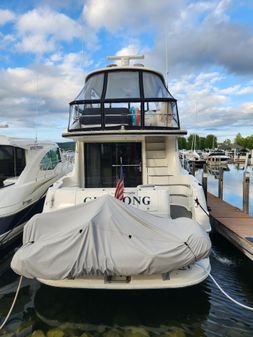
126, 98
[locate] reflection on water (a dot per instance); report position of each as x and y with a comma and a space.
195, 311
158, 310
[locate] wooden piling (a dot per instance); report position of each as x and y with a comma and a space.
220, 184
246, 184
204, 180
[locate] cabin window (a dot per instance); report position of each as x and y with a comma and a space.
86, 115
50, 160
122, 114
154, 86
12, 161
102, 164
93, 88
162, 114
123, 84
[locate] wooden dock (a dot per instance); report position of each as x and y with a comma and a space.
232, 223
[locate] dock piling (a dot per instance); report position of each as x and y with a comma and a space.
246, 184
220, 183
204, 180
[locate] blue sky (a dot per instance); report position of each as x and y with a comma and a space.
47, 47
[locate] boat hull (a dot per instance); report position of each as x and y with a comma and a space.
11, 226
184, 277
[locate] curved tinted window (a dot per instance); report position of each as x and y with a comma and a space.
123, 84
12, 161
50, 160
93, 88
154, 87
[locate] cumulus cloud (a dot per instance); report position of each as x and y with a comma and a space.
41, 29
203, 105
6, 16
39, 91
199, 34
135, 15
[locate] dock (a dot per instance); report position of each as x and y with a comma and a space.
232, 223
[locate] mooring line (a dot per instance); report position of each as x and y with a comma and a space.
229, 297
13, 303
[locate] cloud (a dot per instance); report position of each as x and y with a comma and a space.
141, 15
203, 105
199, 34
41, 29
211, 42
40, 92
6, 16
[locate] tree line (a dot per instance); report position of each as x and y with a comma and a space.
210, 142
194, 141
245, 142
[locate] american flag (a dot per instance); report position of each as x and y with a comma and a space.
119, 192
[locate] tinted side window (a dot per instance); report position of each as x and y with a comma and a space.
50, 160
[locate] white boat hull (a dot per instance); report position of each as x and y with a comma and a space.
180, 278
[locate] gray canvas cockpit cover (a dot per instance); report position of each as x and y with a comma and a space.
106, 236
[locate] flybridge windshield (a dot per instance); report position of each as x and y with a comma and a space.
124, 84
124, 99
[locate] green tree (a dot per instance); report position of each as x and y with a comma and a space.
248, 142
211, 142
239, 140
182, 143
202, 143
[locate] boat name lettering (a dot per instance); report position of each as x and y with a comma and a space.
137, 200
128, 200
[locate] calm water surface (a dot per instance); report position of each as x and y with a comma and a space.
232, 184
196, 311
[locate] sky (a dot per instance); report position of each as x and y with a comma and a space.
203, 48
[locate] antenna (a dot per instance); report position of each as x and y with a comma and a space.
166, 60
125, 60
37, 107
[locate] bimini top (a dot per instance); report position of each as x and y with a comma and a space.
124, 98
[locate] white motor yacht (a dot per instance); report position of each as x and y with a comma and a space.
155, 233
27, 170
217, 157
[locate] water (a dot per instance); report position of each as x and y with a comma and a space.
196, 311
232, 184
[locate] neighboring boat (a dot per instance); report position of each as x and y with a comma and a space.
125, 124
217, 157
27, 170
191, 158
241, 156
